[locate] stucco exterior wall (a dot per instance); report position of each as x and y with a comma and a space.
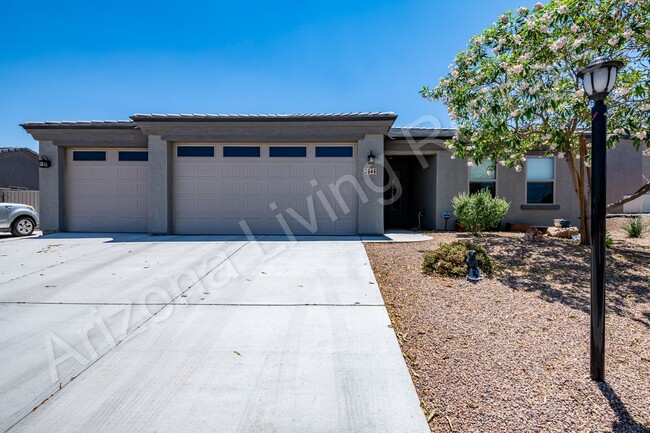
451, 178
160, 185
370, 214
18, 169
52, 189
627, 171
512, 186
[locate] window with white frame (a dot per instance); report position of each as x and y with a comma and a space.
483, 176
540, 181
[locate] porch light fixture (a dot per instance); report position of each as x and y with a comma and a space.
44, 162
371, 158
598, 80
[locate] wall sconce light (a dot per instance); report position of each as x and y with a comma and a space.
44, 162
371, 158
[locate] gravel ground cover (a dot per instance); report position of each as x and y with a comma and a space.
511, 354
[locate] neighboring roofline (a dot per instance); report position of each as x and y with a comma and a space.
18, 149
379, 115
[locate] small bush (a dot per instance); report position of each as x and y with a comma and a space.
449, 260
609, 241
634, 228
480, 211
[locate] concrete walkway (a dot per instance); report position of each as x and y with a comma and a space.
197, 333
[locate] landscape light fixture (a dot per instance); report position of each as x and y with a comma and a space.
598, 80
44, 162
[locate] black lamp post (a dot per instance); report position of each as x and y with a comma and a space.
598, 80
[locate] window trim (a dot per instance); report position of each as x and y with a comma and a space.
180, 146
554, 180
495, 180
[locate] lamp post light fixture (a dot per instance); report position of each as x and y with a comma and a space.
598, 80
44, 162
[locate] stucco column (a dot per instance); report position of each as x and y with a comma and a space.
160, 185
52, 188
371, 203
451, 178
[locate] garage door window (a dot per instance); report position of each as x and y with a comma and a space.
133, 156
88, 155
334, 151
201, 151
241, 152
288, 152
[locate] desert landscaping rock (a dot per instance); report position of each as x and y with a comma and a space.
511, 354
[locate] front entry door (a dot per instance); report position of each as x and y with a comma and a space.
396, 205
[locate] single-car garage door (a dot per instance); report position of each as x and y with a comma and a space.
107, 190
269, 188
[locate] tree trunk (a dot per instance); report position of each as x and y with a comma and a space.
578, 175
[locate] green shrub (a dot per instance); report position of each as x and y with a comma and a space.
609, 241
480, 211
634, 227
449, 260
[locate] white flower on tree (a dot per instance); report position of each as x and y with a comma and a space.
534, 72
577, 43
559, 44
623, 91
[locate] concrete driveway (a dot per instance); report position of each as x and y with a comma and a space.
141, 333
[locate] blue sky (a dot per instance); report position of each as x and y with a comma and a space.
84, 60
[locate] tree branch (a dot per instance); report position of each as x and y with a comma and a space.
641, 191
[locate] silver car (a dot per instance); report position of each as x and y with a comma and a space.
19, 219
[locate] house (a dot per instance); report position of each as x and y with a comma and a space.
18, 168
324, 174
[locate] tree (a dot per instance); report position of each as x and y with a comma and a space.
515, 89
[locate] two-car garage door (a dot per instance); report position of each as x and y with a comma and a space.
268, 189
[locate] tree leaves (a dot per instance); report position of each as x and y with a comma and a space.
516, 84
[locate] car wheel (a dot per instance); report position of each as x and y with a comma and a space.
23, 226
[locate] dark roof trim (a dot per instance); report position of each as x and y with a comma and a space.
263, 117
419, 132
81, 124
